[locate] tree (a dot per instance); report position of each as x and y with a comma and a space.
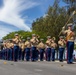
71, 5
22, 34
51, 23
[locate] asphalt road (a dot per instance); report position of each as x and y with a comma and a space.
36, 68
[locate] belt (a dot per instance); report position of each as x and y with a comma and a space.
61, 47
70, 40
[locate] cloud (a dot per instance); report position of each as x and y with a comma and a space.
4, 30
11, 13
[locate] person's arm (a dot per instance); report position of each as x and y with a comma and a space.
64, 31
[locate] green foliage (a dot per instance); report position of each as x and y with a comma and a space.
71, 5
52, 23
22, 34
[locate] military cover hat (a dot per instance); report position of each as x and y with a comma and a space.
48, 37
41, 39
70, 24
28, 38
16, 34
33, 34
23, 40
61, 37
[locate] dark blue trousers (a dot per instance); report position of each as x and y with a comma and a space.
19, 53
41, 54
53, 54
48, 54
23, 54
0, 54
33, 53
61, 52
16, 50
10, 54
3, 54
70, 48
6, 54
37, 55
27, 51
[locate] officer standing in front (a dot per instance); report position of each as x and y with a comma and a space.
70, 42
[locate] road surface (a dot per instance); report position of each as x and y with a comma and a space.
36, 68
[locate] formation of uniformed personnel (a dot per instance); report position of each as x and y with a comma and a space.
61, 44
17, 49
70, 42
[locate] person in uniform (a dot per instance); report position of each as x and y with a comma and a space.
16, 41
61, 44
22, 49
48, 48
1, 48
70, 42
4, 52
41, 48
27, 48
34, 42
10, 50
53, 48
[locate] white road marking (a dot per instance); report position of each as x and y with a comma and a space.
39, 70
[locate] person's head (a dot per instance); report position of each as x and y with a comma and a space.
16, 35
41, 40
10, 40
70, 26
33, 35
23, 40
48, 37
28, 38
61, 37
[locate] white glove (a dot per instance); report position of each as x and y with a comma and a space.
63, 28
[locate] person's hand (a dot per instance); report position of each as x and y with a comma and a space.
63, 27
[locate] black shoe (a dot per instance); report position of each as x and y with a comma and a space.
61, 60
68, 63
71, 63
53, 60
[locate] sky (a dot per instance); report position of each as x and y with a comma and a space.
19, 14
